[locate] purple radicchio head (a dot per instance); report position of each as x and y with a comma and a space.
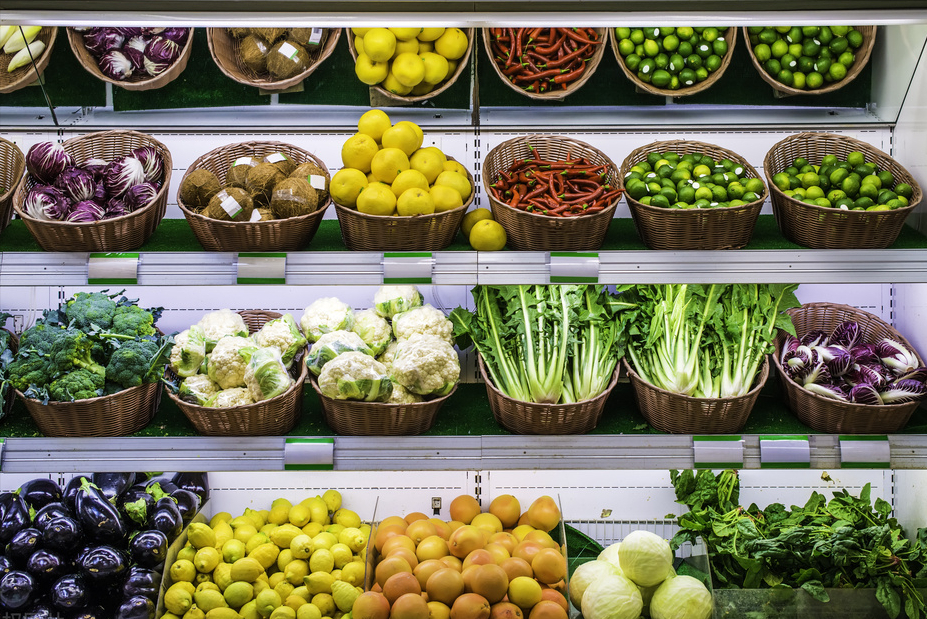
814, 338
151, 161
160, 55
866, 373
846, 334
916, 374
115, 65
865, 353
115, 208
896, 356
837, 358
140, 195
122, 174
134, 50
828, 390
99, 194
47, 203
95, 166
76, 183
85, 212
904, 390
98, 41
177, 35
46, 160
129, 31
864, 393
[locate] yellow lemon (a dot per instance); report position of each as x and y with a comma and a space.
301, 546
426, 46
314, 528
206, 559
346, 185
454, 166
438, 610
487, 235
456, 180
223, 532
332, 498
445, 198
376, 199
322, 560
405, 34
295, 571
409, 68
430, 34
266, 601
452, 44
357, 152
360, 31
183, 570
220, 517
435, 67
318, 582
308, 611
429, 161
335, 529
388, 163
353, 538
303, 592
402, 136
369, 71
359, 45
325, 603
279, 511
422, 88
342, 554
379, 44
372, 123
392, 84
405, 47
408, 180
285, 556
418, 130
371, 178
415, 201
353, 573
325, 539
283, 612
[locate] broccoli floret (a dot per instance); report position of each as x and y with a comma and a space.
40, 337
77, 385
90, 308
133, 320
131, 364
71, 351
29, 368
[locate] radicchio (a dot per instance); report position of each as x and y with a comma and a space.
46, 202
177, 35
138, 196
864, 393
122, 174
95, 166
135, 52
870, 374
85, 212
115, 65
98, 41
846, 334
159, 55
99, 194
151, 161
896, 356
837, 358
904, 390
814, 338
115, 208
828, 390
76, 183
865, 353
46, 160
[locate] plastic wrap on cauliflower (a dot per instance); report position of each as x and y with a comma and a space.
324, 316
216, 325
197, 389
228, 360
401, 395
189, 351
373, 329
265, 374
389, 354
425, 319
331, 345
227, 398
283, 334
391, 300
355, 376
426, 365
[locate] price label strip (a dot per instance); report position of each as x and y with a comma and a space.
718, 452
119, 269
309, 454
574, 267
262, 268
859, 451
408, 267
785, 452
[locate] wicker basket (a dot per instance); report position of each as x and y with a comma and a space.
536, 232
353, 418
272, 417
532, 418
730, 35
826, 414
551, 95
224, 50
290, 234
23, 76
137, 81
447, 83
680, 414
12, 167
709, 228
821, 227
862, 57
109, 235
8, 402
363, 232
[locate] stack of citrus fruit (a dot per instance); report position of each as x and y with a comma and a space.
806, 57
672, 58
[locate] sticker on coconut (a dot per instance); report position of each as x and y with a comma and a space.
242, 161
315, 37
316, 182
229, 204
276, 156
289, 51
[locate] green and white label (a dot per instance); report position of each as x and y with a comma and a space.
408, 267
316, 182
718, 452
274, 158
861, 451
315, 36
119, 269
309, 454
242, 161
262, 268
289, 51
785, 451
229, 204
574, 267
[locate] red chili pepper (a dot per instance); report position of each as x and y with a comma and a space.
572, 76
576, 36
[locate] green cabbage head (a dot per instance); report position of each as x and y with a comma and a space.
645, 558
682, 597
612, 597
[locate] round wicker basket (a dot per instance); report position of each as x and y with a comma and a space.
822, 227
730, 35
862, 57
447, 83
272, 417
23, 76
224, 50
108, 235
537, 232
137, 81
290, 234
708, 228
680, 414
827, 414
363, 232
5, 389
550, 95
12, 168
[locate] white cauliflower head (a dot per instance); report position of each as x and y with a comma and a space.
216, 325
324, 316
391, 300
426, 365
197, 389
265, 374
283, 334
389, 354
401, 395
227, 398
331, 345
189, 351
227, 362
355, 376
424, 319
373, 329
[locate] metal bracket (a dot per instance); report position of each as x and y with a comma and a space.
574, 267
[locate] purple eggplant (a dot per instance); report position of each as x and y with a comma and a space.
159, 487
98, 518
47, 566
136, 504
198, 483
167, 519
91, 612
187, 502
17, 590
14, 516
49, 513
104, 565
142, 581
69, 592
24, 543
137, 607
148, 548
6, 565
39, 492
41, 611
70, 492
112, 485
62, 534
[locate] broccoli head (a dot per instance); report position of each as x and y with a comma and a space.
134, 363
71, 351
40, 337
28, 369
80, 384
133, 320
90, 308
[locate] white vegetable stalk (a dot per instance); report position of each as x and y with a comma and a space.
25, 55
20, 38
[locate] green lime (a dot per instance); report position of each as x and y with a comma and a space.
701, 170
856, 158
863, 202
809, 179
661, 78
622, 33
718, 193
868, 191
709, 34
823, 65
637, 36
822, 202
685, 49
659, 200
850, 186
772, 66
645, 200
805, 64
680, 174
814, 80
676, 64
794, 35
885, 195
633, 62
719, 47
835, 195
779, 49
838, 45
798, 192
798, 80
795, 49
625, 47
701, 74
651, 33
736, 191
840, 31
814, 192
785, 76
844, 204
703, 193
872, 179
846, 59
810, 31
645, 69
879, 207
687, 194
854, 38
654, 187
712, 63
762, 53
886, 177
807, 168
810, 48
674, 83
669, 193
670, 43
825, 36
895, 203
789, 62
905, 190
904, 201
694, 61
703, 49
662, 60
684, 32
756, 185
767, 36
651, 48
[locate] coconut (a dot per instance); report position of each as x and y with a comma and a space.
198, 188
303, 36
305, 170
237, 175
253, 52
266, 214
261, 181
293, 197
230, 204
270, 34
239, 33
287, 59
282, 162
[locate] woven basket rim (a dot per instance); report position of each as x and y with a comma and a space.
381, 406
730, 36
760, 381
552, 95
20, 164
26, 75
448, 82
545, 405
98, 399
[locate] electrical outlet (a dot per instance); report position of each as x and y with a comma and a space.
436, 504
18, 322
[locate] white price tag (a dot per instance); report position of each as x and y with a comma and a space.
785, 452
289, 51
718, 452
113, 268
242, 161
317, 182
262, 268
229, 204
408, 267
309, 454
574, 267
865, 452
316, 36
274, 158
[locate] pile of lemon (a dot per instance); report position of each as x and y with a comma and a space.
387, 172
408, 61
